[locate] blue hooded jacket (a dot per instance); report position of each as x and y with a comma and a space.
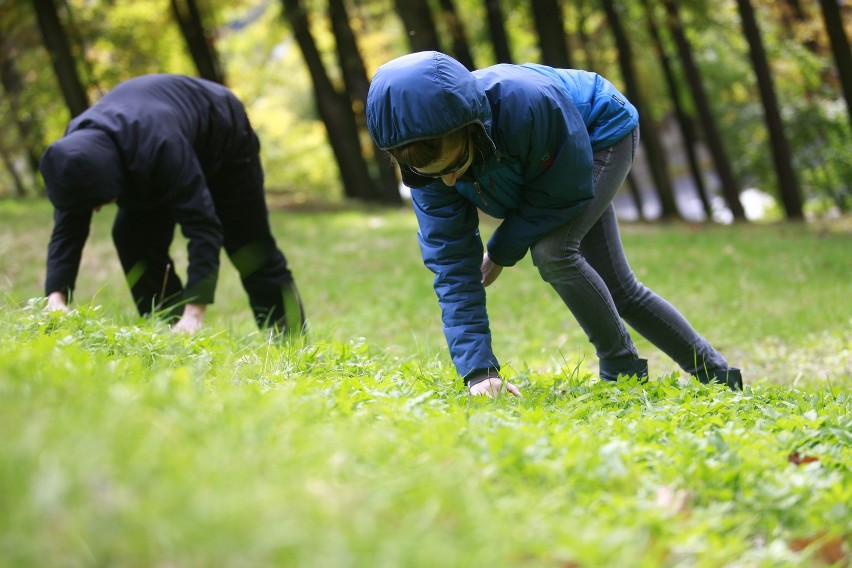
538, 129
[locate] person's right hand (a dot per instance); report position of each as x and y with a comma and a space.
489, 270
57, 302
192, 319
492, 387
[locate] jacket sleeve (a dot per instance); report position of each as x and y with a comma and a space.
65, 250
546, 133
452, 250
177, 170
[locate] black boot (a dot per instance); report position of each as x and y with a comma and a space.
731, 377
611, 369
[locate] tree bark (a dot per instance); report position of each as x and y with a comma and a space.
840, 48
200, 46
788, 184
419, 25
334, 109
552, 39
497, 31
9, 162
64, 65
684, 121
357, 84
730, 189
650, 138
461, 47
13, 85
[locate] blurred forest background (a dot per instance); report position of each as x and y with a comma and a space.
745, 104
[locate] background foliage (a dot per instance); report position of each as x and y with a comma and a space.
118, 39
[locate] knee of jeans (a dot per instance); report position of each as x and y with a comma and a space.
627, 295
549, 257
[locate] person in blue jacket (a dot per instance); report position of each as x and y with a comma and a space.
169, 150
545, 150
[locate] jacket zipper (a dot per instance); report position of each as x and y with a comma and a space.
483, 193
480, 193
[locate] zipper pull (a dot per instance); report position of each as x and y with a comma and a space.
479, 192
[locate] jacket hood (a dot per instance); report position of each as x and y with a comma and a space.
423, 95
82, 170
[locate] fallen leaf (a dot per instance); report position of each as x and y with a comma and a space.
829, 550
799, 459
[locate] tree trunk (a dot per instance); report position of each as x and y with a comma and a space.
552, 39
9, 162
64, 65
788, 184
13, 85
497, 31
650, 138
357, 84
714, 141
583, 36
200, 46
461, 48
840, 47
334, 109
684, 121
419, 25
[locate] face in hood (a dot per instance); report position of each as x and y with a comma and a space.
82, 170
422, 95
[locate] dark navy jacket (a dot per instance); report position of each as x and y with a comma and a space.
153, 141
539, 127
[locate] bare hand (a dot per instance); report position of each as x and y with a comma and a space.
492, 387
57, 302
490, 271
192, 319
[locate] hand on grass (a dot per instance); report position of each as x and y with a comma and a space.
492, 387
192, 319
490, 271
57, 302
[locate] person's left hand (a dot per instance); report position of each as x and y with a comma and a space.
492, 387
490, 271
192, 319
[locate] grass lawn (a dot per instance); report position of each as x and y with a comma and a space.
126, 445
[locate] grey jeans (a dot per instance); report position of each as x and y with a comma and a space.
584, 262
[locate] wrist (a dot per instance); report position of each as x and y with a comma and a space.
479, 375
194, 310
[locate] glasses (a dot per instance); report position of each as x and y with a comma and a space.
453, 168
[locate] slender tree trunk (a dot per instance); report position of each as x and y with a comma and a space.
9, 162
840, 47
684, 121
200, 46
730, 189
788, 184
64, 65
497, 31
552, 39
583, 36
334, 109
461, 48
357, 84
419, 25
13, 85
650, 138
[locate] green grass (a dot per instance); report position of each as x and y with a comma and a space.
125, 445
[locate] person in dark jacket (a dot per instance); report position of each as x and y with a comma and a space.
545, 150
169, 150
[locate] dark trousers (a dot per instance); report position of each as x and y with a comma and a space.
143, 239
